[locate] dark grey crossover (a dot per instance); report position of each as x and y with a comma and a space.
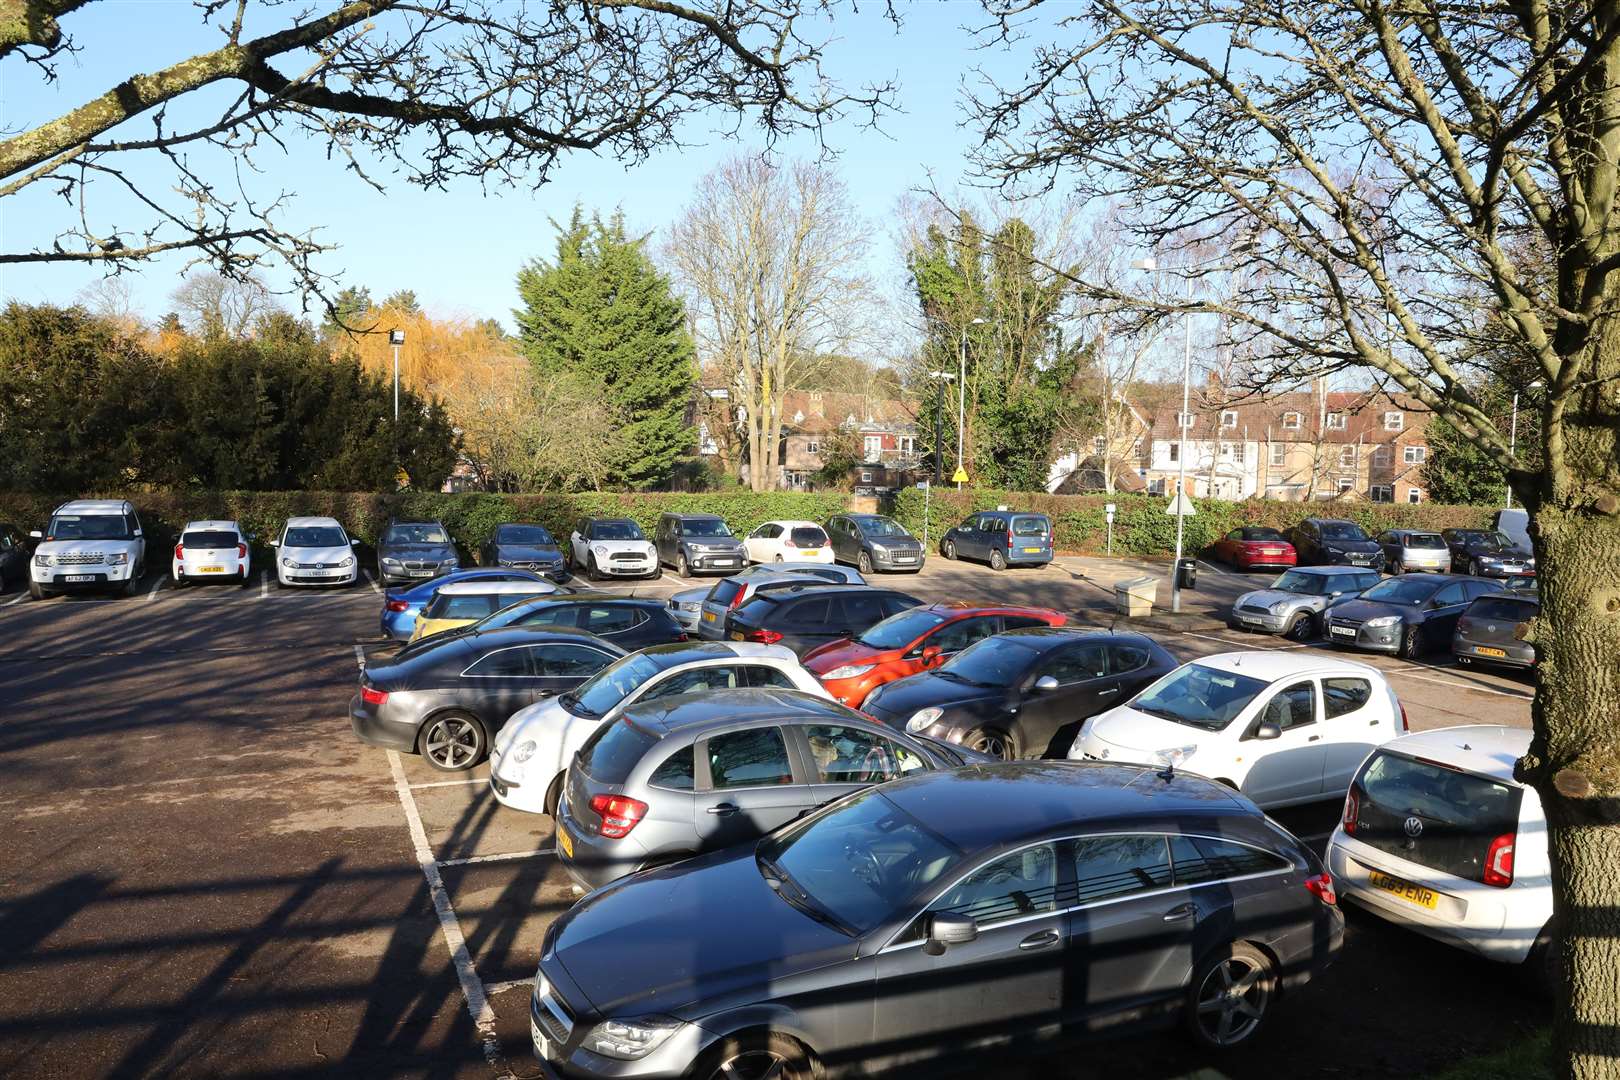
874, 542
698, 544
524, 547
446, 699
414, 551
991, 906
1407, 616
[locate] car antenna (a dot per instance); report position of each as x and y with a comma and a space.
1171, 758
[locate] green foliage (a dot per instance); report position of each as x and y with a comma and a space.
841, 451
600, 310
349, 310
403, 301
1458, 471
1141, 527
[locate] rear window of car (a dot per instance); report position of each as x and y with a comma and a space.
1457, 814
1029, 526
209, 539
1428, 541
1261, 534
612, 751
809, 536
724, 592
1506, 608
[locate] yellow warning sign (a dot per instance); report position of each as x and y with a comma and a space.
402, 478
960, 477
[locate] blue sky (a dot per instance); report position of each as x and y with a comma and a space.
459, 250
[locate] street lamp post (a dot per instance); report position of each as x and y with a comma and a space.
396, 338
1513, 436
961, 398
942, 378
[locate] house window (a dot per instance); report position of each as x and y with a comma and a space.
812, 447
1279, 455
1226, 449
1413, 495
1347, 456
1099, 445
874, 447
1346, 486
1381, 458
1136, 449
1291, 421
1414, 455
1394, 421
1229, 419
1335, 421
1175, 451
1186, 419
907, 443
866, 476
1156, 486
1237, 453
1383, 493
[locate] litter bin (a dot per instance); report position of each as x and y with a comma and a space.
1187, 573
1134, 596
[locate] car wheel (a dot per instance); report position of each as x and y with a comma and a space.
1230, 997
864, 562
755, 1056
554, 795
998, 561
1474, 568
591, 572
1411, 643
1397, 568
1302, 628
998, 744
682, 567
779, 557
246, 576
1545, 965
950, 550
133, 585
36, 592
452, 741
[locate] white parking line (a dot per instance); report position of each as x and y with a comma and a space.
510, 856
492, 989
472, 988
1459, 685
360, 657
1235, 644
264, 584
16, 599
449, 783
372, 582
156, 585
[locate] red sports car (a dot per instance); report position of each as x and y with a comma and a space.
1254, 546
915, 640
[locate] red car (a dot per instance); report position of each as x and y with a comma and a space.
1255, 546
914, 640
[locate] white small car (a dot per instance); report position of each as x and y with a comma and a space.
611, 547
784, 541
315, 551
89, 544
533, 749
1437, 835
1281, 727
212, 551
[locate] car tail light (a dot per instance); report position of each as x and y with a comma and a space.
1321, 887
398, 605
768, 637
738, 599
372, 696
179, 551
241, 551
683, 637
1499, 861
1406, 725
1352, 809
619, 814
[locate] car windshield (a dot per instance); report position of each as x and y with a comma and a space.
616, 530
209, 539
610, 686
810, 862
1029, 526
1296, 581
705, 527
995, 661
1409, 591
532, 535
1342, 530
1500, 541
1199, 696
900, 630
315, 536
89, 527
881, 526
415, 534
1427, 541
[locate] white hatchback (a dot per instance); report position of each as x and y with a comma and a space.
533, 748
785, 541
1281, 727
1437, 835
315, 551
211, 551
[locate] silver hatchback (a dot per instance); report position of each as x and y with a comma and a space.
1407, 550
728, 593
1294, 604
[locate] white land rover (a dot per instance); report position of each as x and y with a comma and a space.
89, 544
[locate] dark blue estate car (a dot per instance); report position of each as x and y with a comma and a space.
1001, 538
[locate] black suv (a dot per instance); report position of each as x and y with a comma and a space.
1334, 542
698, 543
414, 551
802, 617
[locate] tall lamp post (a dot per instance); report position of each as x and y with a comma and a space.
396, 338
942, 377
961, 398
1513, 434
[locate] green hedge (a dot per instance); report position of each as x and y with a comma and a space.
1141, 527
470, 517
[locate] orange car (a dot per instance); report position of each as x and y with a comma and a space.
915, 640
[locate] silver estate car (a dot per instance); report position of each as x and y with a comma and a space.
710, 615
1294, 603
1406, 550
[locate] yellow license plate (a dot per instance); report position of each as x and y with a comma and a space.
736, 636
1032, 551
1412, 894
565, 842
708, 616
210, 569
1483, 651
811, 553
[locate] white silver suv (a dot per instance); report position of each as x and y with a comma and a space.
90, 544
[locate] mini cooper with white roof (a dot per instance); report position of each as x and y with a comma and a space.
1283, 728
89, 544
611, 547
1294, 604
1439, 837
315, 551
212, 551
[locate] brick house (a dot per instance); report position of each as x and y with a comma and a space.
886, 428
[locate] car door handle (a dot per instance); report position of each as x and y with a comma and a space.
1185, 911
1314, 738
1040, 940
723, 809
1105, 693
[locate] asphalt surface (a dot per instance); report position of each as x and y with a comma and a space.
205, 874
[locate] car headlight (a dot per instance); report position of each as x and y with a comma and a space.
599, 551
1490, 558
504, 562
118, 558
1279, 608
629, 1040
879, 549
395, 563
288, 563
42, 560
1382, 621
524, 751
848, 671
922, 719
346, 563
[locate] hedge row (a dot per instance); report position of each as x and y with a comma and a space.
470, 517
1141, 527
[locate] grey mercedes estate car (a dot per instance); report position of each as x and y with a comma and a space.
700, 771
925, 918
1294, 604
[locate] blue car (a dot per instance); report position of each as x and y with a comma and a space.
401, 606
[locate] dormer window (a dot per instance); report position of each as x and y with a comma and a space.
1185, 419
1335, 421
1229, 418
1292, 421
1394, 421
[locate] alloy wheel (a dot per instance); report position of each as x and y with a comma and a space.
1233, 1000
993, 743
753, 1065
865, 563
452, 743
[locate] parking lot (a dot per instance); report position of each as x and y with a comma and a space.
205, 873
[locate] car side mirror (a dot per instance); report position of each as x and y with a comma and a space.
947, 928
35, 534
137, 532
931, 653
1268, 730
1045, 684
354, 543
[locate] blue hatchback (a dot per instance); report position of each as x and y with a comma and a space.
401, 606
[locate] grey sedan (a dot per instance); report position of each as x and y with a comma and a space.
938, 915
1294, 604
